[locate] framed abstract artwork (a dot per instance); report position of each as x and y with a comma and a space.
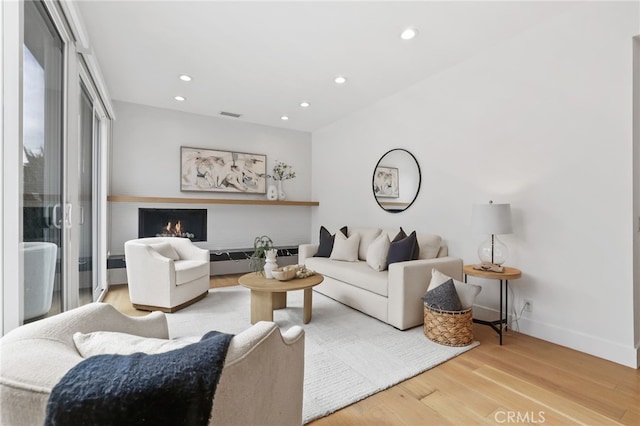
211, 170
385, 182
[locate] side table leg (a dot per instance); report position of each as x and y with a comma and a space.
506, 304
501, 317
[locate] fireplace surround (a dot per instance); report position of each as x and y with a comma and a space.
186, 223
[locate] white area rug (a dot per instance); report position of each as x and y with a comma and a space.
348, 355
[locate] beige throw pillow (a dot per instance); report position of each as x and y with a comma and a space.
110, 342
377, 252
166, 250
344, 248
466, 292
367, 236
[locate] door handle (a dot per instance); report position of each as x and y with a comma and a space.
56, 216
67, 216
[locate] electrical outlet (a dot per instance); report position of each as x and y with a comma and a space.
528, 305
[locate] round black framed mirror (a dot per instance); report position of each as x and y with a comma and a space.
396, 180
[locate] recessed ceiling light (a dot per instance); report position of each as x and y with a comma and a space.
185, 77
284, 118
409, 33
340, 80
179, 98
305, 104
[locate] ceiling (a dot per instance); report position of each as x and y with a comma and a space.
261, 59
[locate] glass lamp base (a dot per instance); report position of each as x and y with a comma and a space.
493, 251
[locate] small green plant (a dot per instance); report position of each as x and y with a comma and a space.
282, 171
261, 245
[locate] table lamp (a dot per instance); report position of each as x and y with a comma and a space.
492, 219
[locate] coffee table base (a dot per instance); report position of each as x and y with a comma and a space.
263, 303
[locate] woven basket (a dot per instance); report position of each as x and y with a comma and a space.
451, 328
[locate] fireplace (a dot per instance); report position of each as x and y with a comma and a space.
186, 223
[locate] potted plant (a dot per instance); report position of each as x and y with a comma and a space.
261, 245
281, 172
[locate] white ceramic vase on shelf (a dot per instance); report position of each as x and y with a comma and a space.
272, 192
270, 263
281, 194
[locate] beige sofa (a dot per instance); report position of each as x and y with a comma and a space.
393, 295
261, 383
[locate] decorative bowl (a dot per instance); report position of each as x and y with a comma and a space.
285, 273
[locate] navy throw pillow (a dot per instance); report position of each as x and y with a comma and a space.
402, 250
326, 242
399, 236
416, 247
444, 297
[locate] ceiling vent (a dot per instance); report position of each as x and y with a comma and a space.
230, 114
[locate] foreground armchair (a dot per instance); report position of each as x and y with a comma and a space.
261, 382
166, 273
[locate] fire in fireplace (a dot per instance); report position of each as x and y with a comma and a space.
186, 223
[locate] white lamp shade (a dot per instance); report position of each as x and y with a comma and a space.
491, 219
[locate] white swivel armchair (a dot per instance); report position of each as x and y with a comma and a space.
166, 274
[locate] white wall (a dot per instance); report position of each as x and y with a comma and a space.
542, 121
146, 162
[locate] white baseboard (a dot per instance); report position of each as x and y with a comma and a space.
593, 345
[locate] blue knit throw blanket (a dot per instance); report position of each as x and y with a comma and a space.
172, 388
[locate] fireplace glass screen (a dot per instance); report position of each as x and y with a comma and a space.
186, 223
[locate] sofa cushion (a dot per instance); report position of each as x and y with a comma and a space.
466, 292
166, 250
402, 250
429, 245
357, 274
112, 342
326, 241
345, 248
189, 270
444, 297
367, 236
377, 252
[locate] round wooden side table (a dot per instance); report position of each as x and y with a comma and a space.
503, 277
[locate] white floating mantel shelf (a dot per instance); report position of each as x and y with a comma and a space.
181, 200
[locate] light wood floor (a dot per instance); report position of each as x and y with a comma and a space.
525, 381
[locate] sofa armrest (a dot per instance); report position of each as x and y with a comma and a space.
305, 251
408, 281
148, 272
262, 379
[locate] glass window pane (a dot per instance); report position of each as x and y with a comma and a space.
42, 164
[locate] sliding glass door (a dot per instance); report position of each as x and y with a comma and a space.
88, 257
63, 120
43, 208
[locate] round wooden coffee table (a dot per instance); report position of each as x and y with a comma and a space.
270, 294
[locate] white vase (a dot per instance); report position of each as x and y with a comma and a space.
270, 263
272, 192
281, 194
